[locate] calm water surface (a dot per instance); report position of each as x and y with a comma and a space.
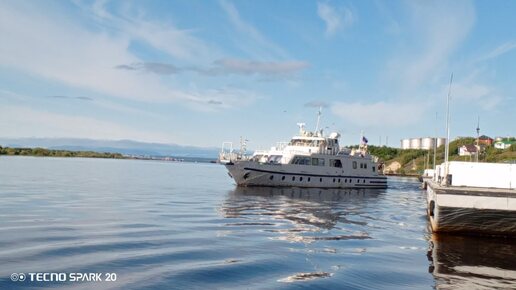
160, 225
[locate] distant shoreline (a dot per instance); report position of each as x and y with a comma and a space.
43, 152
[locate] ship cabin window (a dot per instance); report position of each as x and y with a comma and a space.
361, 165
274, 159
301, 142
336, 163
374, 169
318, 161
257, 157
365, 165
354, 165
301, 160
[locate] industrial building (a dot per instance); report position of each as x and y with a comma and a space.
422, 143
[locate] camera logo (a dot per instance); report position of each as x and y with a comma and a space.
18, 277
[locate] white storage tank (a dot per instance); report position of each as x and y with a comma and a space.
415, 143
427, 143
405, 144
441, 141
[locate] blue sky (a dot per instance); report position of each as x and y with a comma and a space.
204, 72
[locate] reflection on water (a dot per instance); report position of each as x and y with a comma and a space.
304, 216
460, 262
301, 214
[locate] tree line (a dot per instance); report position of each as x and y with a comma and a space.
56, 153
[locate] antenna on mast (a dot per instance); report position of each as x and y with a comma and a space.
318, 119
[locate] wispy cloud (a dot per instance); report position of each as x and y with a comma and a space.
500, 50
250, 67
249, 38
153, 67
179, 43
335, 18
223, 67
437, 29
472, 90
82, 98
213, 102
32, 43
317, 104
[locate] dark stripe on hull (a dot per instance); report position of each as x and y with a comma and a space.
357, 186
316, 175
476, 221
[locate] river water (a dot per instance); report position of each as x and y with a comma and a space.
166, 225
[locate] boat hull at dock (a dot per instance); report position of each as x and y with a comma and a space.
249, 173
471, 210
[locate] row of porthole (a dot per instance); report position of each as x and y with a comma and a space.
320, 179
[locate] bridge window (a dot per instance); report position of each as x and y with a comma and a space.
301, 160
272, 177
301, 178
374, 169
354, 165
283, 178
335, 163
318, 161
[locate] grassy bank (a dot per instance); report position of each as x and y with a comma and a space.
56, 153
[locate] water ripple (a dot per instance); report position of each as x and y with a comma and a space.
162, 225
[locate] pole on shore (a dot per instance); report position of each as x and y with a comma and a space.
447, 147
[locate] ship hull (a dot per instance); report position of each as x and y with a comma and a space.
248, 173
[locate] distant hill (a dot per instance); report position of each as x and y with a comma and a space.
128, 147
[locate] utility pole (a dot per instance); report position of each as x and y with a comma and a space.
447, 147
478, 138
435, 141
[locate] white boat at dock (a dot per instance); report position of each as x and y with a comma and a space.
310, 159
473, 198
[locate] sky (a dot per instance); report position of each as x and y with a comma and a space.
204, 72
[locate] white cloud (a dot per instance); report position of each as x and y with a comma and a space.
52, 47
37, 123
335, 18
471, 91
380, 114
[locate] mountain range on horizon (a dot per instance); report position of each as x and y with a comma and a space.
128, 147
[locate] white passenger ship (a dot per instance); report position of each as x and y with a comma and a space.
308, 160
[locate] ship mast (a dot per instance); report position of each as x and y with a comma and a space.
318, 120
